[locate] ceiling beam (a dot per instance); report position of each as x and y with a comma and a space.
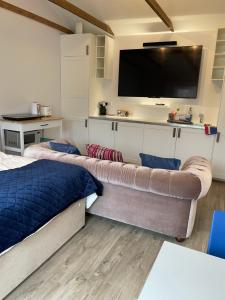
160, 12
33, 16
83, 15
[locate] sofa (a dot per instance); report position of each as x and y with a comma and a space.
159, 200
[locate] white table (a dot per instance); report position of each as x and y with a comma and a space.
180, 273
28, 125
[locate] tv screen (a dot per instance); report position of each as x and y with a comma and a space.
168, 72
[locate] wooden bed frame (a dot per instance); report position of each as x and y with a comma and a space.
25, 257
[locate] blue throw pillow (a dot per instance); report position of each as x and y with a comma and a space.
66, 148
156, 162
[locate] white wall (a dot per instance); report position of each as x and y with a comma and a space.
30, 66
29, 60
209, 93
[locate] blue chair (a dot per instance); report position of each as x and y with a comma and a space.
216, 245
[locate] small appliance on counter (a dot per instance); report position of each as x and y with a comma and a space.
35, 108
122, 113
41, 110
102, 108
45, 111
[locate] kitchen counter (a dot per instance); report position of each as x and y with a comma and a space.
116, 118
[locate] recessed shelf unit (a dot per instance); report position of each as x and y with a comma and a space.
104, 56
219, 59
100, 56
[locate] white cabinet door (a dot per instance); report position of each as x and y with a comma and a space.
74, 107
221, 117
129, 140
76, 131
75, 73
193, 142
75, 44
159, 140
101, 133
218, 159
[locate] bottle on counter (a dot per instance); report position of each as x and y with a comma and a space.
190, 114
177, 114
201, 118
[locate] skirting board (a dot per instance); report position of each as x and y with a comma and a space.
24, 258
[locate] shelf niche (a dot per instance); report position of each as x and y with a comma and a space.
219, 58
104, 56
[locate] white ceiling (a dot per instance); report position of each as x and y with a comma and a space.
132, 9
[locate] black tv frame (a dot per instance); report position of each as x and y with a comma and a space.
167, 96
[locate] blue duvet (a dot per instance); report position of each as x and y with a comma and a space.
30, 196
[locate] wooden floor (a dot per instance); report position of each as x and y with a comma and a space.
108, 260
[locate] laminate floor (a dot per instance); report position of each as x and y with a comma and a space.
109, 260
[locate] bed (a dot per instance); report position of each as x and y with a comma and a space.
19, 260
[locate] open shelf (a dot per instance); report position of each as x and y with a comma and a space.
217, 79
221, 34
220, 53
219, 67
100, 41
218, 73
100, 73
100, 51
218, 70
104, 55
100, 56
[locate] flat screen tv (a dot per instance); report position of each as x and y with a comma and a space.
167, 72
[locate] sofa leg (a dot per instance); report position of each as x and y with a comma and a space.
180, 240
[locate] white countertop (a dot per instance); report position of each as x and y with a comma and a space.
144, 121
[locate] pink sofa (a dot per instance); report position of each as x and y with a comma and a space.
159, 200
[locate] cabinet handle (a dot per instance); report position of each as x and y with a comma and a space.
42, 125
174, 132
179, 133
218, 137
87, 50
86, 123
116, 126
112, 126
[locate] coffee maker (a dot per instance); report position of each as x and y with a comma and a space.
102, 106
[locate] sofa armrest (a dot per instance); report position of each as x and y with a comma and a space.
201, 168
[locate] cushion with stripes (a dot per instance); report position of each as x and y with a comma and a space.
97, 151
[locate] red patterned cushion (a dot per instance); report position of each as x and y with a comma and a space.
103, 153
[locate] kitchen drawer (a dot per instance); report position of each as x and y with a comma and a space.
41, 125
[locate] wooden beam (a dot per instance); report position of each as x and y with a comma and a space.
160, 12
33, 16
83, 15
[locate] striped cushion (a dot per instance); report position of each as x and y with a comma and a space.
103, 153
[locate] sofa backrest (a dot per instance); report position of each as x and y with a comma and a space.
191, 182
